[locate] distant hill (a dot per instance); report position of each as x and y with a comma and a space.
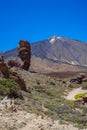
56, 54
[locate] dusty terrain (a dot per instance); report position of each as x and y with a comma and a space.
22, 120
45, 107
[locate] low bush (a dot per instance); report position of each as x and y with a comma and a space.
8, 87
39, 88
52, 83
80, 95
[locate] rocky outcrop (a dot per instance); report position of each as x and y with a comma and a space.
13, 63
4, 71
79, 79
24, 53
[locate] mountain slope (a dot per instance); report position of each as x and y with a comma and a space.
61, 49
56, 54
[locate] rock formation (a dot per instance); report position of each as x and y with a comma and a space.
24, 53
79, 79
4, 72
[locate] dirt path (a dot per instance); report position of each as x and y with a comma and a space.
74, 92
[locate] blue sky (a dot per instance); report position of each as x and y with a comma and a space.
35, 20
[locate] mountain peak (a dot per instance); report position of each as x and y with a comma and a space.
53, 39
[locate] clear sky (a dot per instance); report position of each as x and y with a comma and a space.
35, 20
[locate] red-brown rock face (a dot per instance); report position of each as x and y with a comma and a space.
13, 63
24, 53
4, 72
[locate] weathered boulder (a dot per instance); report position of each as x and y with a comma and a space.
79, 79
13, 63
24, 53
79, 101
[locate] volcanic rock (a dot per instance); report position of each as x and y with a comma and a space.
24, 53
79, 79
13, 63
4, 72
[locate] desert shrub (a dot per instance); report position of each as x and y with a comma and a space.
39, 88
80, 95
48, 112
70, 86
49, 105
18, 101
38, 83
35, 111
71, 101
82, 120
52, 83
7, 87
52, 93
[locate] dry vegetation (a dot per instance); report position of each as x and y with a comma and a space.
46, 98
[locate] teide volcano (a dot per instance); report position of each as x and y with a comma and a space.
61, 49
56, 54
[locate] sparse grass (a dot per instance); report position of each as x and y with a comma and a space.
39, 88
52, 93
71, 101
45, 92
35, 111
